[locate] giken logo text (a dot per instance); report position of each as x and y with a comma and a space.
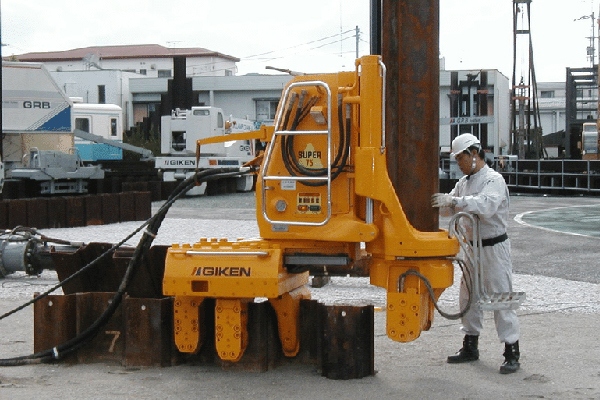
221, 271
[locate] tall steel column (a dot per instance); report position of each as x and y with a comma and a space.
410, 51
526, 123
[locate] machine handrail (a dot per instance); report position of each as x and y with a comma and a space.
290, 177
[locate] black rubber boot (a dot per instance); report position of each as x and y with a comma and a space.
469, 351
511, 358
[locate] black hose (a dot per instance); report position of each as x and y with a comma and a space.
288, 111
466, 278
339, 163
148, 236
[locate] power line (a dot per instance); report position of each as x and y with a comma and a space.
266, 59
299, 45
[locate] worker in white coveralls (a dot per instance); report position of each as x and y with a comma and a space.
483, 192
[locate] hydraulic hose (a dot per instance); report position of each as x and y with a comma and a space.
152, 224
466, 278
292, 164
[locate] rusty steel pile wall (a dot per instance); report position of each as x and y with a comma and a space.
338, 339
75, 211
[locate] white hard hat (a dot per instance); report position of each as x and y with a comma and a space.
462, 143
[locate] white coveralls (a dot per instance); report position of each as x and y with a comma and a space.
485, 193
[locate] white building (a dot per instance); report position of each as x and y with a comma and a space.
552, 103
476, 102
151, 60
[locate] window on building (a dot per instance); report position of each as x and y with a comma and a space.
547, 94
83, 124
228, 72
101, 94
266, 109
113, 127
142, 71
164, 73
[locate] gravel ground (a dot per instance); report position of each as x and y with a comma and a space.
560, 320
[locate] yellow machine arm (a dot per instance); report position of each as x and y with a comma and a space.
324, 198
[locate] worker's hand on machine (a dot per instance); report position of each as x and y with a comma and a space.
443, 200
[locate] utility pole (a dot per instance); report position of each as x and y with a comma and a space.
357, 39
591, 49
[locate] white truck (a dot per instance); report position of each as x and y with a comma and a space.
37, 131
181, 130
47, 137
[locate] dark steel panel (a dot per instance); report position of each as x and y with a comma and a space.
348, 342
99, 278
57, 212
167, 188
109, 343
110, 208
410, 50
264, 349
17, 213
147, 281
75, 211
312, 316
54, 323
107, 274
135, 186
155, 189
115, 184
126, 206
143, 205
93, 210
3, 214
149, 332
37, 213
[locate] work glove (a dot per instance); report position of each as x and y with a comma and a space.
443, 200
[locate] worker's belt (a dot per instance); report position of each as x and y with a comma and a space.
493, 241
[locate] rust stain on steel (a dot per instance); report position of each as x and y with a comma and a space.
348, 342
75, 211
148, 325
93, 210
54, 323
107, 274
410, 51
109, 344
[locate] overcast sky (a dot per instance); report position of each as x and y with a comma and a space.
306, 35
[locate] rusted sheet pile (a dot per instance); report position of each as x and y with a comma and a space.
338, 340
75, 211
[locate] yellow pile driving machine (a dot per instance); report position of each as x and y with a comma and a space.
324, 198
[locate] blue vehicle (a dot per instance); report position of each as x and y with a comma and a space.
104, 120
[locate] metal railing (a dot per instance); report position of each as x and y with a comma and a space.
580, 176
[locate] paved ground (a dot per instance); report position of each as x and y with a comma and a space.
560, 350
